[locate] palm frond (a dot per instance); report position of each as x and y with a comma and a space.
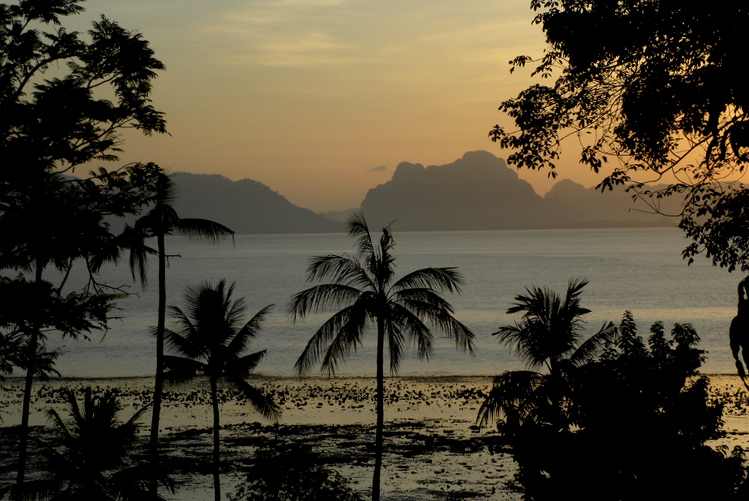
319, 341
203, 229
396, 342
259, 401
244, 366
319, 298
512, 396
551, 326
439, 279
165, 190
339, 269
528, 344
429, 306
588, 350
180, 370
133, 239
35, 490
347, 337
248, 332
132, 483
382, 261
417, 330
360, 231
185, 342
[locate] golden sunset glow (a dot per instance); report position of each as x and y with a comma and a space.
321, 99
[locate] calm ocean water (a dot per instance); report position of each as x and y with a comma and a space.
640, 270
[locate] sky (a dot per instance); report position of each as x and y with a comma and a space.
320, 100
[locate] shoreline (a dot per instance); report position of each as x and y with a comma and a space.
433, 448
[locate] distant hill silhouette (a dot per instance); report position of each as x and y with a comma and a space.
476, 192
588, 207
245, 206
479, 192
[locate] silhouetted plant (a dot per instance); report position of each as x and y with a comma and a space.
211, 341
661, 92
162, 220
51, 124
637, 420
92, 457
549, 336
364, 286
292, 473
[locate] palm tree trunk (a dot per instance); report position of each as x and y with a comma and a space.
380, 404
26, 407
216, 444
159, 379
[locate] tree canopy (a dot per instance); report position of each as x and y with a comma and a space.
65, 100
655, 86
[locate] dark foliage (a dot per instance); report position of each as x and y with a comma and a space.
211, 340
640, 422
402, 311
65, 98
292, 473
93, 454
658, 87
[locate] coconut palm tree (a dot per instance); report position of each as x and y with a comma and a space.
550, 335
93, 457
211, 341
400, 310
160, 221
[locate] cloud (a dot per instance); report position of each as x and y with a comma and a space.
379, 168
297, 33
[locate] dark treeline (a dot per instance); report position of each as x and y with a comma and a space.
609, 416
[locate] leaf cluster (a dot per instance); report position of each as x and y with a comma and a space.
93, 454
638, 421
64, 98
403, 310
655, 85
211, 339
292, 473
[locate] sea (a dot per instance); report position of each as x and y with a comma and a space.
638, 270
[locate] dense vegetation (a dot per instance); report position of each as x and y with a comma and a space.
612, 417
557, 416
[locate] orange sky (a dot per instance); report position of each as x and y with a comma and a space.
321, 99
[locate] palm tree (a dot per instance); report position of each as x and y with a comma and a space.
160, 221
364, 286
550, 336
93, 459
212, 341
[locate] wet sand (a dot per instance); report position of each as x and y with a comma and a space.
433, 448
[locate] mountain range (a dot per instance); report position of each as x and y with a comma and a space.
476, 192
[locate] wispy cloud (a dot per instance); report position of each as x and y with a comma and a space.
282, 33
379, 168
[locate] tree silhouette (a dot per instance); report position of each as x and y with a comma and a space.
292, 472
212, 342
658, 98
162, 220
611, 418
364, 286
93, 454
50, 124
550, 335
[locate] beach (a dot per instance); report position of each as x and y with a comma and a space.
433, 449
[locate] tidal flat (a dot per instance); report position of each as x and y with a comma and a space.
433, 448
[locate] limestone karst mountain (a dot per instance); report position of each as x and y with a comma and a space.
479, 192
476, 192
245, 206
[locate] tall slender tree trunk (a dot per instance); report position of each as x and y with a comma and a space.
380, 404
159, 379
26, 406
216, 444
